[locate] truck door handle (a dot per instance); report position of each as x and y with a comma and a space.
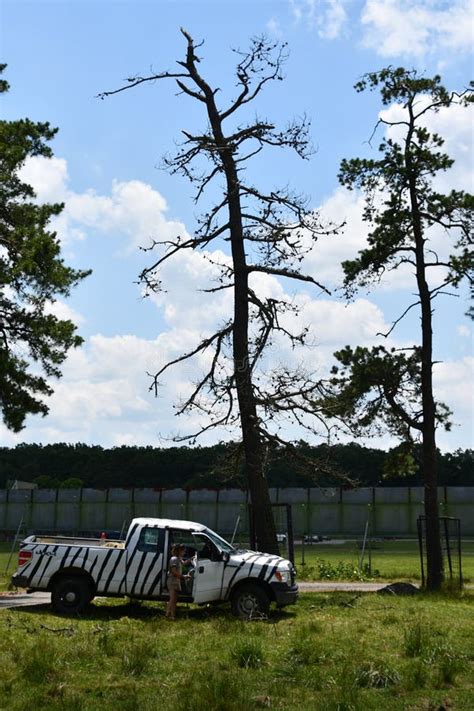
201, 569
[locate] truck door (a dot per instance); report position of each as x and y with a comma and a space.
145, 553
209, 572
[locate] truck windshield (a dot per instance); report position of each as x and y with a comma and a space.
218, 541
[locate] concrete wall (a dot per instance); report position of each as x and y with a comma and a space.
393, 511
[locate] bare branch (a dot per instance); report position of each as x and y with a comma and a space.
136, 81
199, 349
288, 273
397, 321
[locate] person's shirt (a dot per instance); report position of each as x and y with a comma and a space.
175, 562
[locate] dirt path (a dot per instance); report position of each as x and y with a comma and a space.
24, 600
41, 598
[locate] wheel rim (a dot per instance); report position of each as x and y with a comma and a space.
248, 604
70, 597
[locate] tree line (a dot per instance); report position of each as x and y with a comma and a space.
82, 465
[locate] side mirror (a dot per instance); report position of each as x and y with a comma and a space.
225, 557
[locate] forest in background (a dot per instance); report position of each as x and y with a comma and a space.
219, 466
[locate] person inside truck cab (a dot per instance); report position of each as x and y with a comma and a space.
208, 551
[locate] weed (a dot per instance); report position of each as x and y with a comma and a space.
215, 691
417, 675
305, 650
376, 675
416, 639
135, 658
248, 654
105, 640
342, 693
447, 662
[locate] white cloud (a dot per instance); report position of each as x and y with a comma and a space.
104, 394
48, 176
333, 20
328, 17
417, 27
337, 324
323, 262
274, 28
133, 210
64, 312
464, 331
453, 386
454, 125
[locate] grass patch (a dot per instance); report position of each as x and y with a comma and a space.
383, 652
390, 560
376, 675
248, 653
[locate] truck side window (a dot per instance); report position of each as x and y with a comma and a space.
151, 540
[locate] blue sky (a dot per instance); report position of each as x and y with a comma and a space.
62, 54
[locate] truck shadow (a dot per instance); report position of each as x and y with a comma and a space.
153, 612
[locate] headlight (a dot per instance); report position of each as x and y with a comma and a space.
283, 576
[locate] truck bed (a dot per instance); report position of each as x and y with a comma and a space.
75, 541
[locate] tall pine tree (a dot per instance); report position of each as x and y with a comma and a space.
32, 276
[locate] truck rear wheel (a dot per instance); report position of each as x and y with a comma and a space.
71, 595
250, 601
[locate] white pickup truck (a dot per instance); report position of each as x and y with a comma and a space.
75, 570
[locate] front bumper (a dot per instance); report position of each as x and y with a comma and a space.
284, 594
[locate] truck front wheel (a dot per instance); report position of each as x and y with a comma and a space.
71, 595
250, 601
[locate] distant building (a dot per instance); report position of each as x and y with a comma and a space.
17, 484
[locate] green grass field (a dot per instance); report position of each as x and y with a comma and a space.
390, 559
330, 652
333, 652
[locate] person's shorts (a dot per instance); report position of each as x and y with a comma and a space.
173, 583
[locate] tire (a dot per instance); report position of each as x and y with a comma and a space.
250, 601
70, 596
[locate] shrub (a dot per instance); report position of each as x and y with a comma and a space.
343, 570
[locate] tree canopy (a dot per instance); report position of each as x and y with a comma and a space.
32, 276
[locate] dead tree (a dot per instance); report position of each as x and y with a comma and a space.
265, 234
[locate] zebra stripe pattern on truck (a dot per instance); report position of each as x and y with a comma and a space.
137, 568
143, 576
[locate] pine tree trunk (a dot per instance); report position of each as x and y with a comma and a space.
434, 557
